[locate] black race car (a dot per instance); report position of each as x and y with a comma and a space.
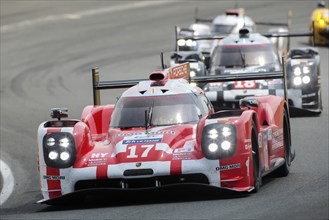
303, 73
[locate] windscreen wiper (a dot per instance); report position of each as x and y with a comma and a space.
243, 58
148, 117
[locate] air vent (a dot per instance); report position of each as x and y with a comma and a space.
138, 172
142, 92
156, 76
164, 90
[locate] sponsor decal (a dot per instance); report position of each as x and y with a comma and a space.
182, 156
278, 133
229, 167
96, 162
183, 150
142, 141
246, 70
260, 140
247, 144
247, 165
149, 133
269, 134
50, 177
97, 159
98, 155
277, 139
180, 71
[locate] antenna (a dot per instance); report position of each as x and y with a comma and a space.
236, 4
162, 64
176, 38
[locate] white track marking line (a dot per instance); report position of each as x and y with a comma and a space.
8, 182
78, 15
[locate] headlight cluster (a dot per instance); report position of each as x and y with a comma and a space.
59, 149
218, 141
301, 75
192, 73
188, 43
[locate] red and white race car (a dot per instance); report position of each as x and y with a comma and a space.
164, 132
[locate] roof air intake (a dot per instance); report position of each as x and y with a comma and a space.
157, 76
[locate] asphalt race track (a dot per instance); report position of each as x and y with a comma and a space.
47, 51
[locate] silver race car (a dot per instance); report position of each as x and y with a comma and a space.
253, 52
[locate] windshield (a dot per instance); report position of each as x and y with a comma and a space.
243, 56
222, 29
161, 110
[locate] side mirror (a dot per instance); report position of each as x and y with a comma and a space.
249, 102
59, 113
207, 60
219, 70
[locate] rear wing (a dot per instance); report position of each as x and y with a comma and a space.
235, 12
119, 84
280, 34
240, 12
269, 35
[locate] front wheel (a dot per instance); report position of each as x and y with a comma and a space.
255, 159
284, 169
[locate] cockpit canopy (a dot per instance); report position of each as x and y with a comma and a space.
231, 24
155, 111
237, 56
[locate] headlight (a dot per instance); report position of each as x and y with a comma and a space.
226, 145
65, 156
53, 155
181, 42
306, 70
226, 131
189, 43
297, 71
297, 81
59, 150
192, 73
64, 142
50, 141
306, 79
213, 147
213, 134
218, 141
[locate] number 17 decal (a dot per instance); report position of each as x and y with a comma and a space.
132, 151
143, 152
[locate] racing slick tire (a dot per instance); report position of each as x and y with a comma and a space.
284, 169
255, 159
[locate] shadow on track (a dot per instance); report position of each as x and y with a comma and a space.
118, 198
101, 198
299, 113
